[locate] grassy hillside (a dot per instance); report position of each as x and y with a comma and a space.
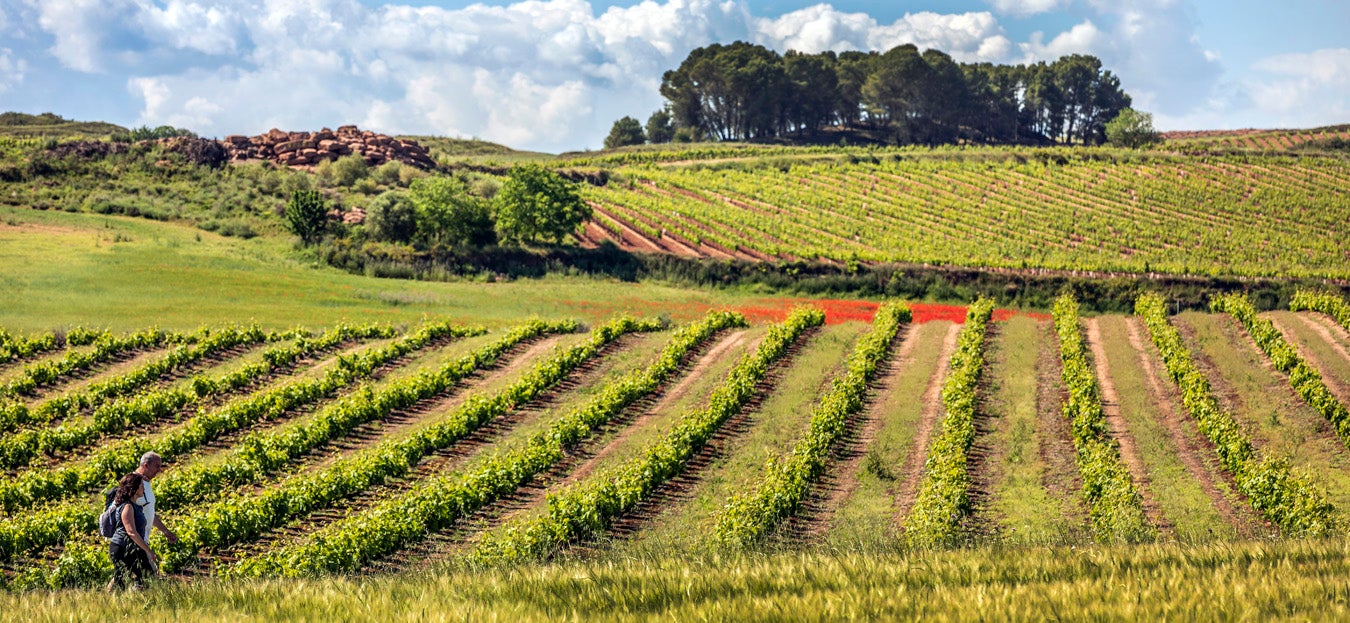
51, 126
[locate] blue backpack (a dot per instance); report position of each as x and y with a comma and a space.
111, 517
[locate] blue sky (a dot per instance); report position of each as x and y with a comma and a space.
552, 75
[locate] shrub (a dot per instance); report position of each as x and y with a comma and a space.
448, 214
392, 217
537, 203
307, 215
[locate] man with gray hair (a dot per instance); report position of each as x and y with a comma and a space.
151, 465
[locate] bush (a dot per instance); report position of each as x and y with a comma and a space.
307, 215
448, 214
537, 203
392, 217
348, 170
1132, 129
387, 174
626, 131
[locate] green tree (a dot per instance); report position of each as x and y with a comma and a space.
626, 131
448, 214
536, 203
1133, 129
307, 215
392, 217
660, 127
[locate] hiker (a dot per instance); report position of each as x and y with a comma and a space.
151, 465
128, 548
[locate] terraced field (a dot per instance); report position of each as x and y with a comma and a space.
374, 449
1257, 215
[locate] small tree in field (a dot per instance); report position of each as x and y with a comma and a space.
536, 203
307, 215
626, 131
448, 214
1132, 129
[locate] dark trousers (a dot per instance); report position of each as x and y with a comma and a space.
128, 558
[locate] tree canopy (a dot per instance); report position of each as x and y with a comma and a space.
744, 91
448, 214
626, 131
1132, 129
535, 203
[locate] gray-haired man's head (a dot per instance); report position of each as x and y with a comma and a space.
150, 466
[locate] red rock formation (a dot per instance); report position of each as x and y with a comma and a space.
305, 148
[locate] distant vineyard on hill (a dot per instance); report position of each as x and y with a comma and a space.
1246, 216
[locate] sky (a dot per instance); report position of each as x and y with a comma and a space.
553, 75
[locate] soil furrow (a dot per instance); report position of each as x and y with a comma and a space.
1055, 438
812, 522
1119, 428
1337, 386
1191, 446
907, 488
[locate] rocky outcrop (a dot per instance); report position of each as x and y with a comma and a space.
295, 149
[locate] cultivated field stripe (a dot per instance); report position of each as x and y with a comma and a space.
1054, 440
1333, 334
729, 343
1185, 445
943, 502
38, 379
1114, 504
16, 349
492, 436
49, 525
1119, 429
1283, 356
911, 473
1319, 352
591, 508
1288, 498
21, 448
789, 479
99, 469
841, 479
1012, 492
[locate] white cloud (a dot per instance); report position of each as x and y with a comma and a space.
966, 36
1150, 44
11, 70
553, 74
1304, 89
1024, 8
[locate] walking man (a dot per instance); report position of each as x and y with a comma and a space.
151, 465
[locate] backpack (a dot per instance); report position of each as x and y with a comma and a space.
110, 518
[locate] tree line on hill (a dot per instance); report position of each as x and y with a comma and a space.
746, 92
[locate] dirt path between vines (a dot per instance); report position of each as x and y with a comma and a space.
1119, 429
1054, 435
1337, 386
908, 489
698, 371
840, 479
1190, 445
1330, 330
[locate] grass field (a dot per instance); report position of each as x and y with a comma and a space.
423, 442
